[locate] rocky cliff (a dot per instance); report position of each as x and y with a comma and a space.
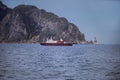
27, 23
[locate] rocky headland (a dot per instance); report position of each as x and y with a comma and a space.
27, 23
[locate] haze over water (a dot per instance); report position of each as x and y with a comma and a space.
77, 62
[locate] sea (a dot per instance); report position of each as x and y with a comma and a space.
77, 62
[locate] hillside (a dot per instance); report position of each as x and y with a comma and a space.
27, 23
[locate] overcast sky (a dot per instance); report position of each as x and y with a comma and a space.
95, 18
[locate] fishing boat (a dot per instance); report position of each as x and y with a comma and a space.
51, 42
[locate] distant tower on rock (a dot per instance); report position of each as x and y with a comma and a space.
95, 40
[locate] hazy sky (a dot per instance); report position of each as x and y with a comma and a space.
95, 18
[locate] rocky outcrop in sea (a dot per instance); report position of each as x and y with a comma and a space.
27, 23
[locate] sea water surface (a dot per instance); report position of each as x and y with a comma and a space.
77, 62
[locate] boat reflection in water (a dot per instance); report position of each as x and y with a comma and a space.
51, 42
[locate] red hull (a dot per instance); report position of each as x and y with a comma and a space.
56, 44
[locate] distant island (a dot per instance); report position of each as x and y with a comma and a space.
28, 24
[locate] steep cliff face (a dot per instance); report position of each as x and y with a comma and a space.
26, 23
